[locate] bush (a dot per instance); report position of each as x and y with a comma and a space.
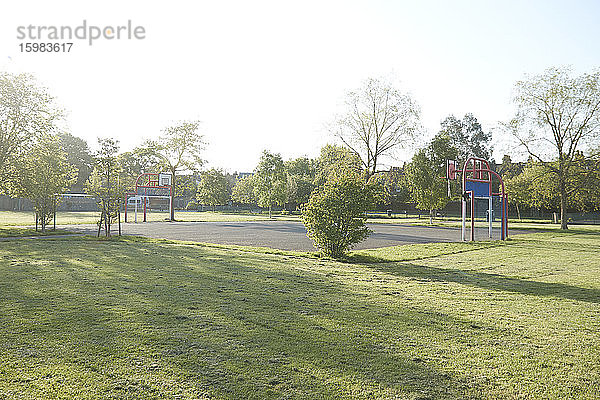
335, 214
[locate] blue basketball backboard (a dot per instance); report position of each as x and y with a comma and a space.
479, 189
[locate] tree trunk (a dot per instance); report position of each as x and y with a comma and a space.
105, 226
563, 212
107, 218
270, 216
100, 225
172, 195
430, 217
518, 211
563, 205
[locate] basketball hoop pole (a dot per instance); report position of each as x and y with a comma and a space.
477, 188
472, 216
490, 211
464, 219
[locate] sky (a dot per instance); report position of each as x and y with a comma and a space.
273, 74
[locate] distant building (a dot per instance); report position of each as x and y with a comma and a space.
242, 175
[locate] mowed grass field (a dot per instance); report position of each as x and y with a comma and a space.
26, 218
138, 318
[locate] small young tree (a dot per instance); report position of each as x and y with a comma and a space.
270, 181
41, 175
105, 183
335, 215
212, 189
179, 149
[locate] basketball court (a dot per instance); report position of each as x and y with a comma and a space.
283, 235
477, 184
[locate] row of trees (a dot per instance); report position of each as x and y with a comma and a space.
32, 162
39, 161
275, 182
556, 124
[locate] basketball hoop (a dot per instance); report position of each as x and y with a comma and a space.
451, 170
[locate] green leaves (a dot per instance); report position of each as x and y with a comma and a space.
270, 180
423, 175
27, 112
557, 121
179, 147
41, 174
335, 215
213, 189
105, 182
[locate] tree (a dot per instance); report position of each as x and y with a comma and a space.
378, 120
557, 121
136, 162
269, 181
427, 190
534, 187
179, 149
212, 189
508, 169
79, 156
334, 159
394, 182
300, 177
467, 137
243, 191
41, 174
335, 216
518, 188
26, 113
106, 184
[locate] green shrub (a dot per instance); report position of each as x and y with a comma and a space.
335, 214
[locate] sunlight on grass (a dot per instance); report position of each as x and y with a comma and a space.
26, 218
143, 318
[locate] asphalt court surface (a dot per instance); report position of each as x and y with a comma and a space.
284, 235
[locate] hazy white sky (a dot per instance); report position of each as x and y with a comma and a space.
270, 75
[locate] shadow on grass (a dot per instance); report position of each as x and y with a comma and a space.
237, 325
420, 251
491, 281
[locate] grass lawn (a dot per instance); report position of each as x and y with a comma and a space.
10, 231
26, 218
525, 224
136, 318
